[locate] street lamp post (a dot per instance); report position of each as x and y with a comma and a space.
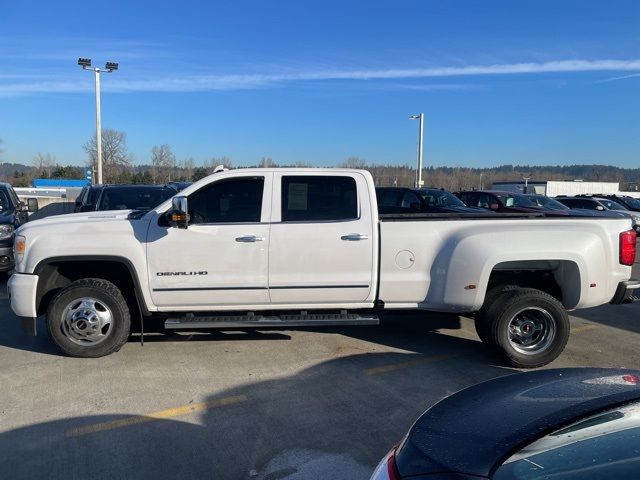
419, 117
481, 174
109, 67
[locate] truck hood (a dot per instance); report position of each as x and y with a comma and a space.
77, 218
89, 234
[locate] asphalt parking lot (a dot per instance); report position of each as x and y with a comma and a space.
295, 404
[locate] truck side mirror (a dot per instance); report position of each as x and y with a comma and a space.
600, 208
178, 216
32, 205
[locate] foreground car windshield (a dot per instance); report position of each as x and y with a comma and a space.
515, 200
603, 446
134, 198
439, 198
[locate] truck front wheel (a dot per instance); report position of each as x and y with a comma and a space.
528, 327
89, 318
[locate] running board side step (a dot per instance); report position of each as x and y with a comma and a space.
255, 321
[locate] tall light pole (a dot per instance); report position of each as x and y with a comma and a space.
109, 67
526, 179
481, 174
419, 117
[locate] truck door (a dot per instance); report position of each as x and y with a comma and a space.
220, 260
322, 240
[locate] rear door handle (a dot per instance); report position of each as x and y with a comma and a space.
249, 239
354, 237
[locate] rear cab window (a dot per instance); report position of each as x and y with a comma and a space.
314, 198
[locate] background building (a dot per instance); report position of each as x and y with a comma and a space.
553, 188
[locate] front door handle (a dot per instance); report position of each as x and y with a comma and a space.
354, 237
249, 239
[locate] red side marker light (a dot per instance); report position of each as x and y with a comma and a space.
631, 379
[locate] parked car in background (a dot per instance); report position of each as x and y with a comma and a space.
601, 204
13, 213
505, 202
88, 197
630, 203
425, 200
553, 204
123, 197
564, 424
399, 200
179, 186
444, 201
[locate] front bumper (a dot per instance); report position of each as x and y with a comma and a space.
22, 290
6, 259
627, 292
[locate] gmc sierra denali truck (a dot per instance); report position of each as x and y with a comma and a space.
256, 248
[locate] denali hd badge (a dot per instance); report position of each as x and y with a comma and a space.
173, 274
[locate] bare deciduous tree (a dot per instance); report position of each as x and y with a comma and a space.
267, 162
163, 161
115, 154
213, 162
187, 166
354, 162
43, 162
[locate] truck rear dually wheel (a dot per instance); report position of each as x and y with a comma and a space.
528, 327
89, 318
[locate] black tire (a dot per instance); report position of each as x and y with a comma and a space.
108, 298
531, 307
482, 323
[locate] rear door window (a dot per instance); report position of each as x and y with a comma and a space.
318, 198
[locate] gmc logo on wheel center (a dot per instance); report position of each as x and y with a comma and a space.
172, 274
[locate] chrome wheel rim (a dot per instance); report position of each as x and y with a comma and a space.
87, 321
532, 330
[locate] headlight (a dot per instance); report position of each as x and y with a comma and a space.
6, 231
19, 247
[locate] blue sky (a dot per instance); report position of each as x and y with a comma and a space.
522, 82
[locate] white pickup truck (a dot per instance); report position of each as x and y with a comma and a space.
254, 248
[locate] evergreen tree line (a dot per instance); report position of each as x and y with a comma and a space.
119, 167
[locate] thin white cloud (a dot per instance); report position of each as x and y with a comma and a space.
213, 82
613, 79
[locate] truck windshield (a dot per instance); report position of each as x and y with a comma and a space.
4, 201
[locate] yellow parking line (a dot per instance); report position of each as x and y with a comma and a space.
584, 328
410, 363
169, 413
